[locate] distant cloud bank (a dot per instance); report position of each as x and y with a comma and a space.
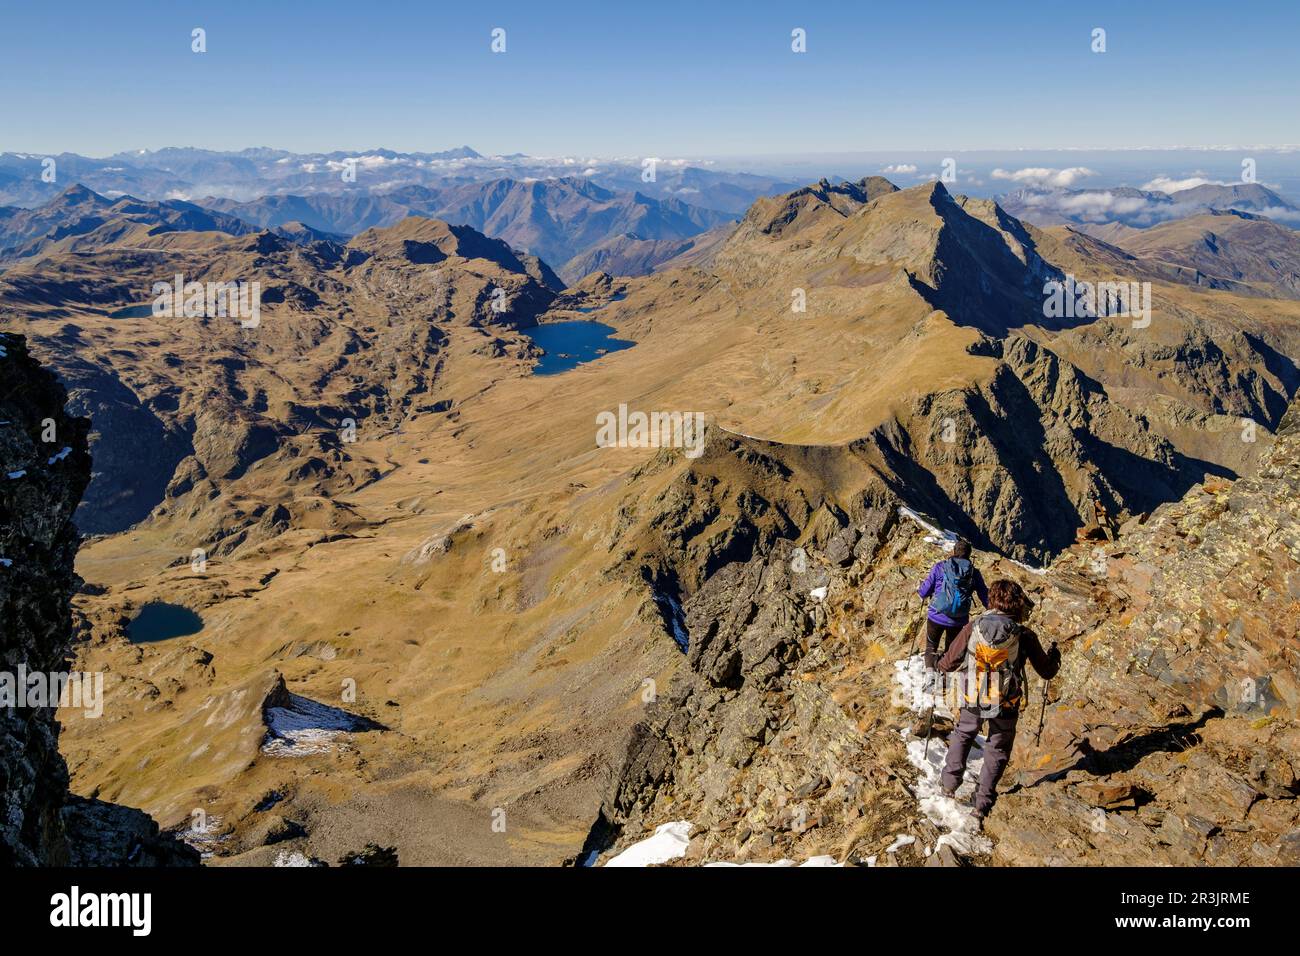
1163, 184
1045, 176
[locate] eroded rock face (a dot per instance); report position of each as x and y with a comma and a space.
38, 544
749, 742
1170, 737
135, 454
41, 482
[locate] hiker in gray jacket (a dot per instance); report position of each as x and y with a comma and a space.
991, 652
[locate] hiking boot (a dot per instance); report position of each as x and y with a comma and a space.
950, 793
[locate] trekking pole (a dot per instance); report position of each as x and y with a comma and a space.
929, 720
1042, 710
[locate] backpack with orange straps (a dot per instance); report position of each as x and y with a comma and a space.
995, 670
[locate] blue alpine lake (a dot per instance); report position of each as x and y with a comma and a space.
158, 621
570, 344
132, 312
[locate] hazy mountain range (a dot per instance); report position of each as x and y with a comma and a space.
195, 174
577, 216
556, 219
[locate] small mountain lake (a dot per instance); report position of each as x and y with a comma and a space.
158, 621
570, 344
132, 312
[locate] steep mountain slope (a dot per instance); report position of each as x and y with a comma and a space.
1115, 423
1169, 738
1229, 250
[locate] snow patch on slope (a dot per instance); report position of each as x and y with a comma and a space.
935, 535
954, 815
306, 727
670, 841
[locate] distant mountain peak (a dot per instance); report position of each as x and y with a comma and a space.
459, 152
78, 192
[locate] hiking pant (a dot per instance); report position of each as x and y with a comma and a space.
997, 751
933, 632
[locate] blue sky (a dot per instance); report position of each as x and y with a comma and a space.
662, 78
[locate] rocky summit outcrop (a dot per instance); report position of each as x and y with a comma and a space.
44, 467
1170, 737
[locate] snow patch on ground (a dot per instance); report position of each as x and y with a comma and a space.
936, 534
59, 456
306, 727
17, 474
668, 843
205, 840
900, 841
939, 536
818, 594
953, 815
295, 858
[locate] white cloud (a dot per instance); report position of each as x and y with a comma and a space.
900, 168
1094, 206
1163, 184
1091, 205
1045, 176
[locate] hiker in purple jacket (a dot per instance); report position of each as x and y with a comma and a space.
951, 582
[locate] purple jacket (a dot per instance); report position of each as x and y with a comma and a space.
931, 584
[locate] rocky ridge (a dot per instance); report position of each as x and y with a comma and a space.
1170, 736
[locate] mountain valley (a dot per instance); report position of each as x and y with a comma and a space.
431, 603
